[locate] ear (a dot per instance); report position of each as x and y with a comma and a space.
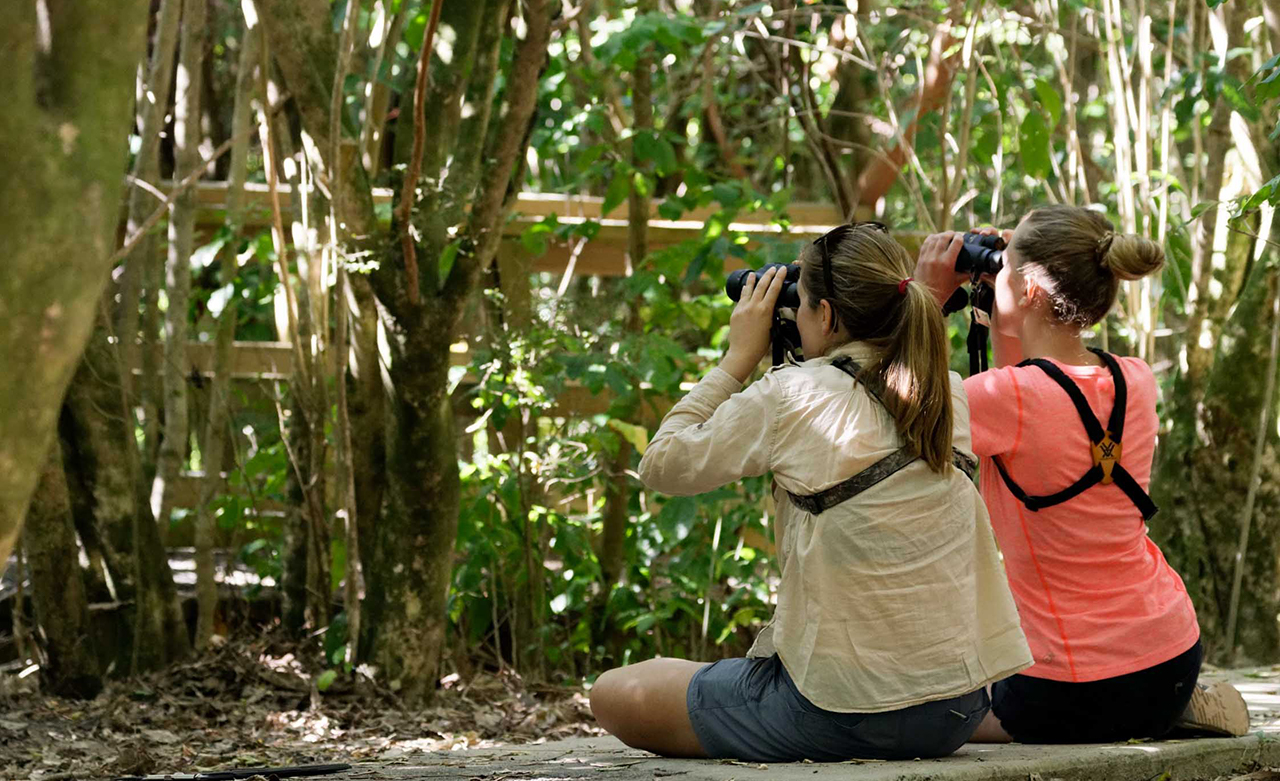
1032, 293
828, 317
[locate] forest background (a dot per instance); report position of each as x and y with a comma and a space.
349, 321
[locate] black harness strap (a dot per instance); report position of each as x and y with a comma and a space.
1106, 444
877, 472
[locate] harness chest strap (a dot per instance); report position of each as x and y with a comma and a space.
1106, 444
877, 472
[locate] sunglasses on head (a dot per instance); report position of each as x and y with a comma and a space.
834, 237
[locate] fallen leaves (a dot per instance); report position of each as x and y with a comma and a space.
247, 704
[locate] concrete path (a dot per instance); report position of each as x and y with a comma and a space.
606, 759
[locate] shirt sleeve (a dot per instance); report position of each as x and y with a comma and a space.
961, 438
713, 436
995, 412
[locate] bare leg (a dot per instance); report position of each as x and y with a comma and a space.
990, 731
644, 706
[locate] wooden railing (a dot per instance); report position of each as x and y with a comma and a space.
604, 255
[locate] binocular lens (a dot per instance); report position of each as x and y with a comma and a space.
789, 298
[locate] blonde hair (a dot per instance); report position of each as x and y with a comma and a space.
910, 373
1077, 256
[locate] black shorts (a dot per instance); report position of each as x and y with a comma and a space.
1143, 704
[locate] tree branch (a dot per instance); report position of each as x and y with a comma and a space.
487, 215
404, 211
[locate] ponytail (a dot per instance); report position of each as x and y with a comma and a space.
903, 322
913, 372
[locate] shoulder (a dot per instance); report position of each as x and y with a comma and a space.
1135, 368
958, 395
1138, 375
995, 381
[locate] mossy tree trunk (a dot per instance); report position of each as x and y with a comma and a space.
1205, 461
108, 491
70, 666
480, 150
67, 95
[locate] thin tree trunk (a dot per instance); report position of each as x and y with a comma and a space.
57, 586
340, 158
216, 431
1199, 342
154, 97
618, 490
366, 407
187, 137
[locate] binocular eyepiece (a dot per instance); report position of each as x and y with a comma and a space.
788, 298
981, 254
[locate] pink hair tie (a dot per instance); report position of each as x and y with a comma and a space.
902, 286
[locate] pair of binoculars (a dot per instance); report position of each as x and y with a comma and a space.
978, 255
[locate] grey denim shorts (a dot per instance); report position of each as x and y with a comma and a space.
750, 709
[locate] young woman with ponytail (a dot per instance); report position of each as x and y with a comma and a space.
1066, 434
893, 611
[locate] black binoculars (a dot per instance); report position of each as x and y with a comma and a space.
981, 254
789, 298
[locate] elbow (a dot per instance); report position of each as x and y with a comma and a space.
656, 478
650, 470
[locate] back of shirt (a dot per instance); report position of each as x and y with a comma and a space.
1095, 595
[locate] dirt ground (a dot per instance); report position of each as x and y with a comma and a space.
253, 704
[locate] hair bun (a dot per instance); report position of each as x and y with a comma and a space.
1129, 256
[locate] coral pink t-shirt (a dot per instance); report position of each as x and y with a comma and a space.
1095, 595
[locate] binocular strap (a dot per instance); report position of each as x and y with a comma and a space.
877, 472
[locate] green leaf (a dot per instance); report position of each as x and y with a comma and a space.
1268, 193
1269, 87
1050, 100
1034, 145
1231, 91
619, 188
636, 435
445, 264
1200, 208
326, 679
728, 194
1214, 3
1275, 134
671, 209
650, 147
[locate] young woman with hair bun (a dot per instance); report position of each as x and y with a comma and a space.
893, 612
1066, 434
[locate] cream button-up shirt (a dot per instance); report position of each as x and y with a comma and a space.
890, 599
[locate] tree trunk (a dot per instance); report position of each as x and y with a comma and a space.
57, 585
105, 479
416, 533
1200, 334
146, 168
216, 434
67, 102
1202, 480
408, 582
187, 137
366, 406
